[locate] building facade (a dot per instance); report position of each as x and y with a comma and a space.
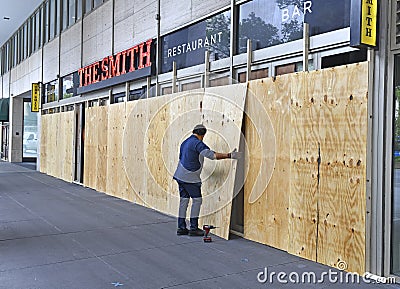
89, 53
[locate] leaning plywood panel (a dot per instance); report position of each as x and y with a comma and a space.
185, 111
342, 195
152, 136
223, 109
304, 151
267, 131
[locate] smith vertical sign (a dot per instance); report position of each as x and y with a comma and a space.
35, 97
369, 22
364, 23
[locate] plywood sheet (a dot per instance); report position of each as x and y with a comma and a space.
134, 150
343, 137
267, 133
56, 145
185, 111
43, 143
69, 140
223, 109
153, 133
102, 139
116, 180
304, 151
89, 151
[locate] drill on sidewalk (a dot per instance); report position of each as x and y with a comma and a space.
207, 229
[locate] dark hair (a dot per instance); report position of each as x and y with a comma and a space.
200, 131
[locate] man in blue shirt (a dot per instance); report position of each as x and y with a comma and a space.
191, 158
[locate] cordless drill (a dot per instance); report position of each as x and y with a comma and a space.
207, 229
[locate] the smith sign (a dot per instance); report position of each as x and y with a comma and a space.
364, 23
130, 64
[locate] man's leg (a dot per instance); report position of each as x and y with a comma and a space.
194, 191
183, 204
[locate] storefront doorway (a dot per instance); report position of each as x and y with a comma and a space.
30, 142
4, 140
79, 142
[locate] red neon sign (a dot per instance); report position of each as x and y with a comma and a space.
129, 60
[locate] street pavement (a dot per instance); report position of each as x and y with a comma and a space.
58, 235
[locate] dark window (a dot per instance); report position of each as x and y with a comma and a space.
344, 58
65, 14
71, 12
51, 91
118, 97
219, 81
191, 85
46, 22
79, 7
255, 74
88, 6
69, 84
137, 94
52, 16
285, 69
37, 30
97, 3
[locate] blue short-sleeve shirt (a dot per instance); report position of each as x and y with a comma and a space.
191, 158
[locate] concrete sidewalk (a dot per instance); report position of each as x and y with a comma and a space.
59, 235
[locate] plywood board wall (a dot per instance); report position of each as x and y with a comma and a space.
56, 153
314, 205
304, 189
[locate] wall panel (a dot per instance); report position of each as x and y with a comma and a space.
267, 133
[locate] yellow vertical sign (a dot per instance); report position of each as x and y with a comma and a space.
369, 23
35, 98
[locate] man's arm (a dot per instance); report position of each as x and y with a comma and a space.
222, 156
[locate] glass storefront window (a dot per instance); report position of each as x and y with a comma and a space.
187, 46
65, 14
30, 139
88, 6
269, 23
51, 91
71, 12
70, 84
395, 248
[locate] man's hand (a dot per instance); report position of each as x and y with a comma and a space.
235, 154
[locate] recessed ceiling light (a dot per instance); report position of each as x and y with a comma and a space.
6, 18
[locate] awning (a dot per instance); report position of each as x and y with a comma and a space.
4, 104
